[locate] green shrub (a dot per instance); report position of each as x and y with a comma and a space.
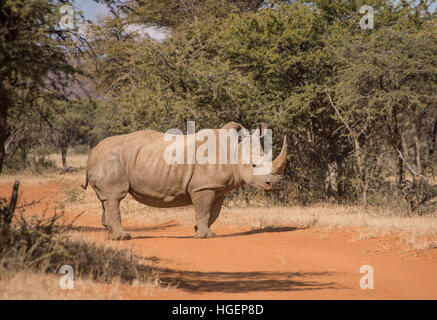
79, 149
45, 150
74, 195
35, 164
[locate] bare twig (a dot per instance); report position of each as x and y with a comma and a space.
29, 204
70, 225
339, 114
407, 165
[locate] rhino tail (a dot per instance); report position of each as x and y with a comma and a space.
86, 181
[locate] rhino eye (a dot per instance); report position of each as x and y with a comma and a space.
253, 165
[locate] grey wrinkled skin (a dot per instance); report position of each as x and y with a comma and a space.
134, 163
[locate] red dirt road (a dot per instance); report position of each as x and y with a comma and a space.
282, 263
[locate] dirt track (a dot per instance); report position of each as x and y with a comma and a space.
282, 263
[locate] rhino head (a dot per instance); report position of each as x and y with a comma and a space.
271, 181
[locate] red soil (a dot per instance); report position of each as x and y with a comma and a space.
282, 263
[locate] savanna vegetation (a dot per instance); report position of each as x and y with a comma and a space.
41, 245
359, 106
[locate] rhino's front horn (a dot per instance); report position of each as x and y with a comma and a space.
278, 164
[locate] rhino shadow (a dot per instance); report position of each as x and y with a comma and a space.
159, 227
244, 282
236, 234
260, 230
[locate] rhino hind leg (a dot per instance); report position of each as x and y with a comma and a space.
109, 181
112, 220
104, 217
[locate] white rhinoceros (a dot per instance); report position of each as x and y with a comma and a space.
135, 163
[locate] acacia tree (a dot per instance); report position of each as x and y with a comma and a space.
175, 13
68, 123
386, 85
34, 58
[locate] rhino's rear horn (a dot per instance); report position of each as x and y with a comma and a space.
278, 164
262, 129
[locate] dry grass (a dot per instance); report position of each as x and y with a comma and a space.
29, 179
41, 286
35, 286
411, 242
77, 161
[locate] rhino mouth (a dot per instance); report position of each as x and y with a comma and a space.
274, 186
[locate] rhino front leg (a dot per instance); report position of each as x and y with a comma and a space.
112, 220
203, 202
215, 212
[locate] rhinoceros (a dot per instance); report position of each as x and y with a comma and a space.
134, 163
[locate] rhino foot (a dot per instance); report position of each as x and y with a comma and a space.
119, 236
203, 235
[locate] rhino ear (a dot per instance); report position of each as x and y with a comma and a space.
233, 125
242, 132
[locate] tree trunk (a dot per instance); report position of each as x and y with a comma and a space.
5, 104
64, 158
359, 158
3, 135
431, 143
397, 146
417, 150
331, 185
364, 192
405, 151
431, 147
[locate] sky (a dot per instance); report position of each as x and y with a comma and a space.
92, 10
